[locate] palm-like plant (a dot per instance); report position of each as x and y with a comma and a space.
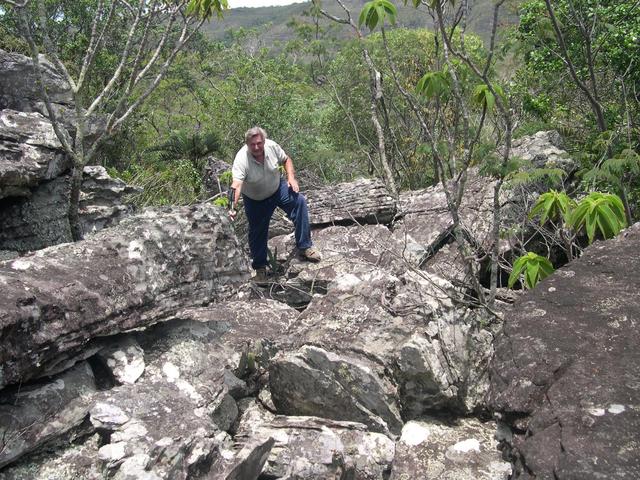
603, 212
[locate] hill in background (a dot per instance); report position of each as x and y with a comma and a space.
272, 22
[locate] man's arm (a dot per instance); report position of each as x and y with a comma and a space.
236, 188
291, 175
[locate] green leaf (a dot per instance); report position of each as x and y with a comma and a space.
599, 212
533, 267
376, 11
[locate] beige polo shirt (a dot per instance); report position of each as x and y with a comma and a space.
259, 181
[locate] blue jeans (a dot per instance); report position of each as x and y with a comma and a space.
259, 214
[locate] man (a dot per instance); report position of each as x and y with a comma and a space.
256, 175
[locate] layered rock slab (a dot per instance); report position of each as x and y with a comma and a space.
134, 275
566, 374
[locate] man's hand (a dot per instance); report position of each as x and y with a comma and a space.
293, 183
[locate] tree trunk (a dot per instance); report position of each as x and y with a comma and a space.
74, 201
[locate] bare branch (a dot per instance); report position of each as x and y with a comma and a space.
123, 58
62, 135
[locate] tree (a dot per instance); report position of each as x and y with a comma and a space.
594, 43
151, 33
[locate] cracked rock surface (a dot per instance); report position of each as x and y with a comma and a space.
566, 373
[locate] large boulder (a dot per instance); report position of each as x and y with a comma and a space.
37, 415
374, 317
566, 373
19, 88
103, 199
136, 274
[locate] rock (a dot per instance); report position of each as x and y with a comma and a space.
315, 382
72, 463
19, 88
425, 224
157, 430
403, 329
34, 416
544, 150
37, 222
213, 169
363, 201
245, 464
136, 274
566, 373
30, 153
317, 448
102, 200
125, 360
463, 450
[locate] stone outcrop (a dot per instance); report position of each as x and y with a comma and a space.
129, 277
19, 85
424, 224
317, 448
544, 150
566, 375
334, 370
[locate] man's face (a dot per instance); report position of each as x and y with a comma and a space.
256, 146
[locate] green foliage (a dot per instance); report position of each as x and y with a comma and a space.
434, 84
221, 202
226, 177
376, 11
602, 212
206, 8
483, 96
194, 147
532, 267
552, 205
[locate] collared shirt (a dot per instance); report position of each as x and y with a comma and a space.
259, 180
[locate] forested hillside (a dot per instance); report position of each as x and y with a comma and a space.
273, 23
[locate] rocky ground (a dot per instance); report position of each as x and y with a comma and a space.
145, 352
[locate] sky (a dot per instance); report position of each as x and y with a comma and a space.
261, 3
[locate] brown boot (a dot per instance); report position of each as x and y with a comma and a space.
311, 254
261, 277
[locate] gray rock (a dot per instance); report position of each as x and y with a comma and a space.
318, 448
30, 153
433, 354
34, 416
39, 221
157, 430
71, 463
139, 273
566, 373
544, 150
425, 224
19, 86
102, 200
247, 464
125, 359
463, 450
315, 382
